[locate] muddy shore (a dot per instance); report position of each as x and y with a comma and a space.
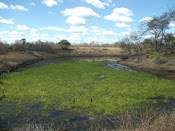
11, 60
148, 64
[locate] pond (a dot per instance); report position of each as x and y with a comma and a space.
65, 91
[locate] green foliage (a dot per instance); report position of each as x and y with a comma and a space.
74, 86
64, 44
158, 58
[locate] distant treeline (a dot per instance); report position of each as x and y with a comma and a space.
49, 47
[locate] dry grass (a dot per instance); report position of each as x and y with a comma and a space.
157, 122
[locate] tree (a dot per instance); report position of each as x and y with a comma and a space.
157, 27
170, 42
64, 44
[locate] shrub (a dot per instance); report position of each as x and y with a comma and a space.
64, 44
159, 58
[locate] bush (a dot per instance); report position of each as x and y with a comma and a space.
64, 44
159, 59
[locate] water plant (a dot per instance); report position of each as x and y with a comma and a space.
74, 86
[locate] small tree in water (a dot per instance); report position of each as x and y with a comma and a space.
64, 44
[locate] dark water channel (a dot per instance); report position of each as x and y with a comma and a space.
65, 118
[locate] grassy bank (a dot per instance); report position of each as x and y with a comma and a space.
77, 87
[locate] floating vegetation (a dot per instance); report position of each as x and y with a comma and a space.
82, 88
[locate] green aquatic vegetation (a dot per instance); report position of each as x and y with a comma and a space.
76, 87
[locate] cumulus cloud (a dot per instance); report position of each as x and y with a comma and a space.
122, 25
13, 7
76, 20
95, 28
120, 15
13, 33
108, 32
33, 32
53, 28
99, 4
3, 6
127, 32
77, 15
146, 19
60, 37
97, 31
74, 37
32, 4
5, 21
22, 27
172, 24
78, 29
50, 3
80, 12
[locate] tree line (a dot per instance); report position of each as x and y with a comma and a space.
22, 45
161, 41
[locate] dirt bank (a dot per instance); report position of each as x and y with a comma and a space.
91, 51
145, 63
11, 60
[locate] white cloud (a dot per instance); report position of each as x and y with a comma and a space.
172, 24
52, 13
96, 3
99, 4
13, 7
4, 32
44, 35
122, 25
3, 6
120, 15
33, 32
13, 33
80, 12
53, 28
17, 7
78, 29
95, 28
32, 4
76, 20
5, 21
50, 3
74, 37
146, 19
127, 32
16, 34
108, 32
22, 27
60, 37
97, 31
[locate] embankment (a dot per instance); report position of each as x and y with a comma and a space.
148, 64
11, 60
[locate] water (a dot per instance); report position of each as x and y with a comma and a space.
116, 66
66, 116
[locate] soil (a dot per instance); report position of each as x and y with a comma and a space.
11, 60
145, 63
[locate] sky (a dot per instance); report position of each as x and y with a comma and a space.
78, 21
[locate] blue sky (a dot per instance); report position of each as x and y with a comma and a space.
79, 21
